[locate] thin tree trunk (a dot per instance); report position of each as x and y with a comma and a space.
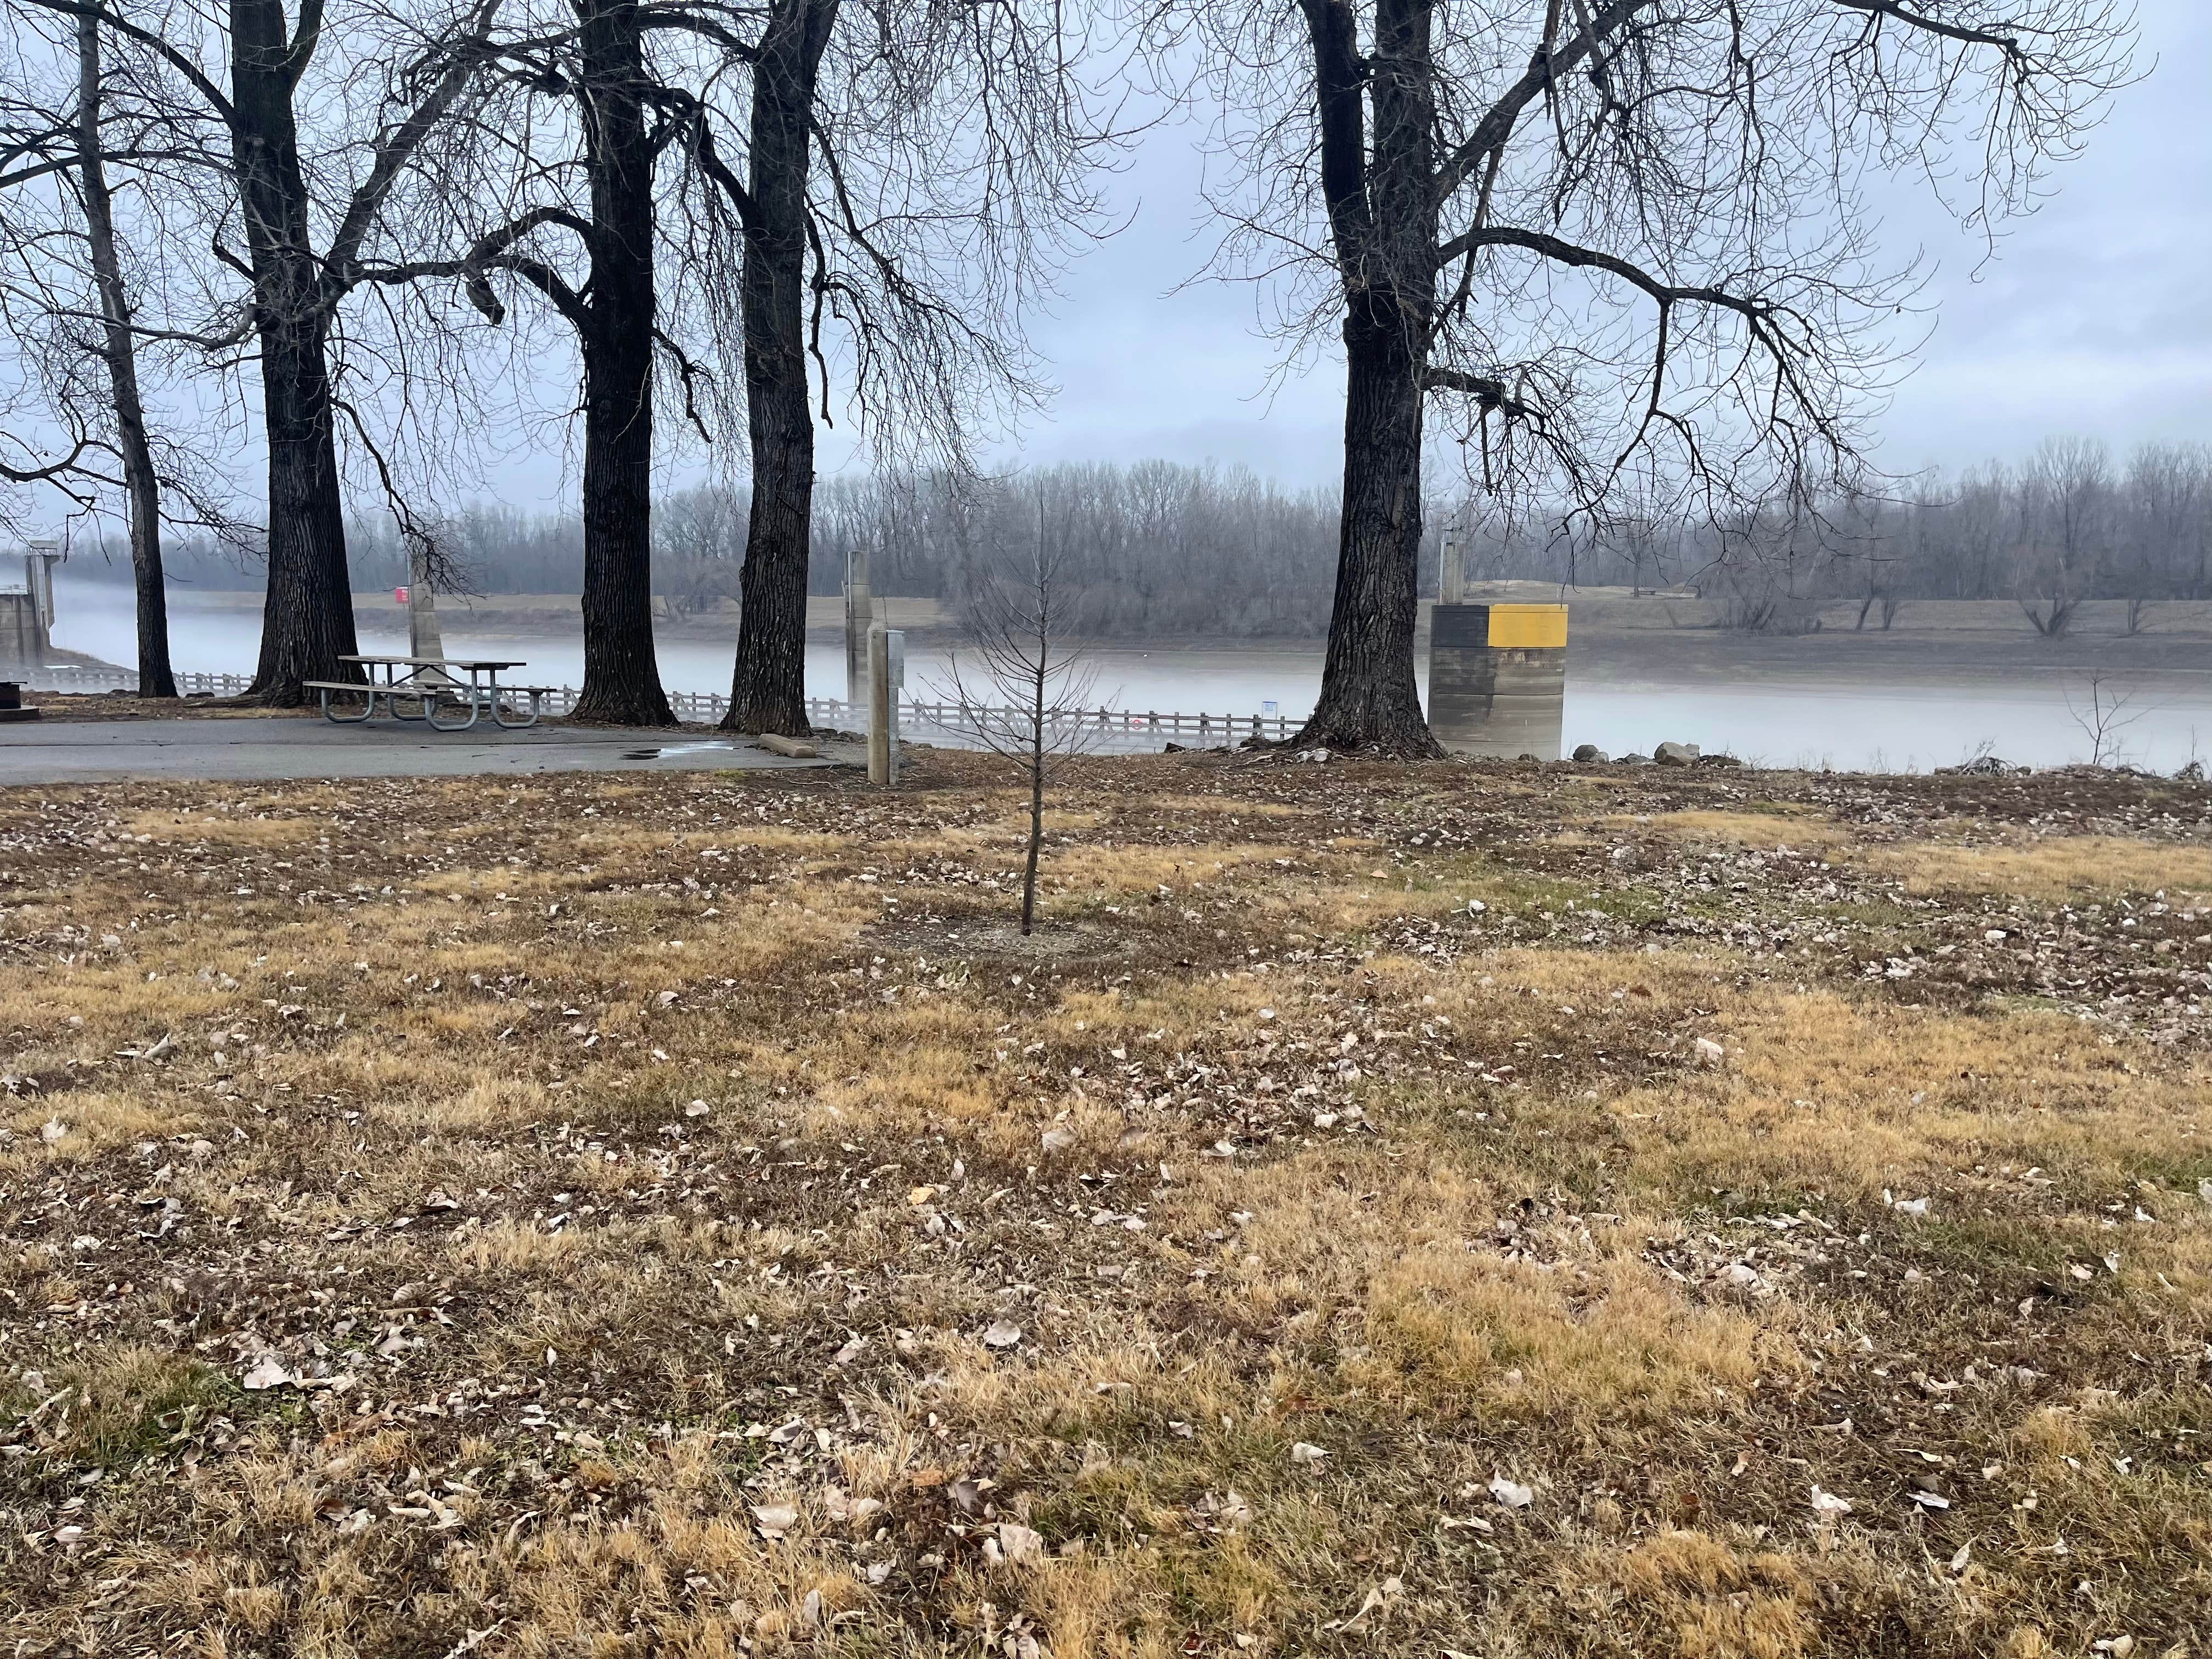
621, 674
155, 678
768, 683
1037, 789
306, 622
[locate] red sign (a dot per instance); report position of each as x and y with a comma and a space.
399, 596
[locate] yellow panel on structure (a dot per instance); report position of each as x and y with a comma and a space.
1524, 627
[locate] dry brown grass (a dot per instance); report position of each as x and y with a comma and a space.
1794, 824
2054, 871
635, 1236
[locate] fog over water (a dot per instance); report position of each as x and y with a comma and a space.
2027, 717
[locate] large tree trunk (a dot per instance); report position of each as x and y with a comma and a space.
1382, 208
1368, 699
308, 618
767, 684
622, 675
120, 352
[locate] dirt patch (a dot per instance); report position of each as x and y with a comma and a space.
999, 940
128, 706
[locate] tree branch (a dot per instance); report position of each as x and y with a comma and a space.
184, 65
304, 38
1489, 393
1544, 69
2009, 45
397, 146
1339, 77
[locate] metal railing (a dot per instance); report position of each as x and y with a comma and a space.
1107, 728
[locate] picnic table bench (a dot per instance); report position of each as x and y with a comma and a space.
430, 683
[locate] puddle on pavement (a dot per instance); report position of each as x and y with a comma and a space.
678, 749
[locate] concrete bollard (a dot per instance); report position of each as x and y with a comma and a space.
886, 673
1498, 678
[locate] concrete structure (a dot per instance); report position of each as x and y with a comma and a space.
1498, 678
27, 609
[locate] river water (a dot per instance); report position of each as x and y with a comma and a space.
2033, 718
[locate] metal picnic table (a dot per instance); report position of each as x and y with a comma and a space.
430, 683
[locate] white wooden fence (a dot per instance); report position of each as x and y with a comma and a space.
1122, 729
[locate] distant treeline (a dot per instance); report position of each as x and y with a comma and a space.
2068, 525
1162, 549
1156, 548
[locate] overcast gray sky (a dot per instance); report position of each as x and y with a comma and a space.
2095, 317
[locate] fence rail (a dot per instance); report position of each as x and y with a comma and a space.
1121, 728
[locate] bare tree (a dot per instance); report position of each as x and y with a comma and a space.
589, 179
312, 209
65, 297
1023, 695
2065, 506
903, 173
2104, 712
120, 352
1615, 238
912, 169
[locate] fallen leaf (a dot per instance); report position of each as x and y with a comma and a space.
1305, 1452
1002, 1333
1231, 1511
1020, 1543
775, 1519
1828, 1505
1511, 1493
268, 1372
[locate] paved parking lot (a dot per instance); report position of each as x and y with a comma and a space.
60, 750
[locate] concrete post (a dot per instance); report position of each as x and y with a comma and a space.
883, 741
859, 611
425, 638
1451, 573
